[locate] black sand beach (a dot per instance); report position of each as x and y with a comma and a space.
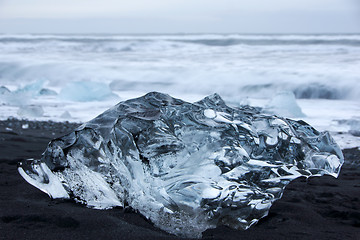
316, 208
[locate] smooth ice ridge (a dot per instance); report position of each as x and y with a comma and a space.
185, 166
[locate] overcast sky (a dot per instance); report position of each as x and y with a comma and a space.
180, 16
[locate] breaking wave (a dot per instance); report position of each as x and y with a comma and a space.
111, 43
235, 66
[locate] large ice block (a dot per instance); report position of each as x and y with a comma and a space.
185, 166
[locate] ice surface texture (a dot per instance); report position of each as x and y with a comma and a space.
185, 166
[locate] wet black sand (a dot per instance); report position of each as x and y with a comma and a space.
317, 208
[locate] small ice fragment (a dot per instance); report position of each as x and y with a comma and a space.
354, 128
31, 89
25, 126
4, 90
284, 104
66, 115
8, 129
30, 111
47, 92
86, 91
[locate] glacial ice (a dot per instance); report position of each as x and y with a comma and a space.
84, 91
65, 114
185, 166
30, 111
4, 90
284, 104
47, 92
352, 124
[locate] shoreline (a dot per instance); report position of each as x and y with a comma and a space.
318, 207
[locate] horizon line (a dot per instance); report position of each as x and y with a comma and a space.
181, 33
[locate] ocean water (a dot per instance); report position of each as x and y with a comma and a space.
76, 77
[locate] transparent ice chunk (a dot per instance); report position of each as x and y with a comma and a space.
352, 126
65, 114
284, 104
30, 111
185, 166
4, 90
47, 92
85, 91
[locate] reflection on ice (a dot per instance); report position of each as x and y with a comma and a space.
187, 167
